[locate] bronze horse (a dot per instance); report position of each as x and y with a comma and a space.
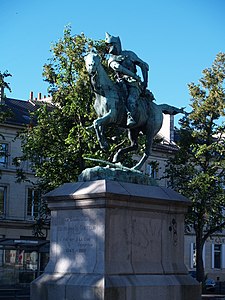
112, 110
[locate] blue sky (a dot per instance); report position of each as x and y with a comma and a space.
178, 39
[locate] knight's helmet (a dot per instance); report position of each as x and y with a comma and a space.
114, 44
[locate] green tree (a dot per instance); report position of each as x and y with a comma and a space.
57, 140
4, 112
197, 170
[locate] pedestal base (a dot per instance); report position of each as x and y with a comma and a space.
115, 287
116, 241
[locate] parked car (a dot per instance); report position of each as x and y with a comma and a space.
210, 285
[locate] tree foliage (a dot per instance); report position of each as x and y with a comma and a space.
3, 83
197, 170
4, 112
58, 139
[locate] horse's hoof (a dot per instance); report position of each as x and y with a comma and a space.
115, 159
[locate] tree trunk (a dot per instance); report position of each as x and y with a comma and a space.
200, 272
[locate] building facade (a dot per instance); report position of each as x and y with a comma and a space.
22, 256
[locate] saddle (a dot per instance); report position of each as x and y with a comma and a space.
123, 92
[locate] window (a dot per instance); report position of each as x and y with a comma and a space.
33, 202
193, 256
216, 256
151, 171
22, 265
21, 258
3, 154
2, 199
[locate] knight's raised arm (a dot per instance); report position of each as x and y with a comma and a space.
144, 68
121, 69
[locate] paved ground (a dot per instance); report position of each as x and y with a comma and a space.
213, 297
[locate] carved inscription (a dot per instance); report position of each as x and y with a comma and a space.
76, 236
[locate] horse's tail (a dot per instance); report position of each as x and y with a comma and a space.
171, 110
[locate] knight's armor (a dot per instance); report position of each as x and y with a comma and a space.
124, 64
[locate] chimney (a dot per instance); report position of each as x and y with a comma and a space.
31, 95
172, 128
39, 96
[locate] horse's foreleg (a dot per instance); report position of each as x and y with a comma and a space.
133, 137
99, 129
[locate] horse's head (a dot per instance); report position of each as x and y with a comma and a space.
92, 61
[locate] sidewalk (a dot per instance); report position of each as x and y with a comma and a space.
213, 297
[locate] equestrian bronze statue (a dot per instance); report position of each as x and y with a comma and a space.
112, 104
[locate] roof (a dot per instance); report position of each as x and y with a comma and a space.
163, 147
20, 110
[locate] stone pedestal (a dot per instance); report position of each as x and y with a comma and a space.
116, 241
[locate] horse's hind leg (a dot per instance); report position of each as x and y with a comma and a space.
141, 162
148, 150
133, 137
